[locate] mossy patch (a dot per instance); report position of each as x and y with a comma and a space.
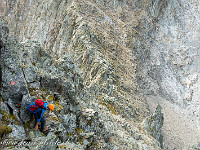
43, 134
28, 85
37, 92
58, 106
78, 130
50, 97
69, 134
23, 66
33, 93
34, 64
90, 122
7, 118
4, 129
52, 118
62, 146
27, 125
110, 106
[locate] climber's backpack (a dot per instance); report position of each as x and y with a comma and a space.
35, 105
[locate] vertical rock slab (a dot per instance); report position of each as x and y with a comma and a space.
153, 125
11, 67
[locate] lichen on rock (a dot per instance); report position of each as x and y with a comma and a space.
4, 129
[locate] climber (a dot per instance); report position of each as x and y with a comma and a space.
38, 109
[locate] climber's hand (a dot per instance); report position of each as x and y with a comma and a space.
36, 127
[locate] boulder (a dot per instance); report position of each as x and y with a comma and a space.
14, 109
18, 131
25, 115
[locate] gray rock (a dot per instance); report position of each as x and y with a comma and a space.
103, 48
1, 117
14, 109
23, 148
85, 142
70, 145
34, 85
45, 143
69, 122
194, 147
4, 107
11, 71
18, 132
25, 115
30, 73
34, 135
87, 135
153, 125
62, 133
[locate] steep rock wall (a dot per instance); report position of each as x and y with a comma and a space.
170, 68
86, 70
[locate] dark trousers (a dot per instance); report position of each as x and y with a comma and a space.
42, 120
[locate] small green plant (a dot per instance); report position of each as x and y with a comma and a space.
34, 64
7, 118
4, 129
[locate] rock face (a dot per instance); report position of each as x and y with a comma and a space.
153, 125
104, 64
84, 117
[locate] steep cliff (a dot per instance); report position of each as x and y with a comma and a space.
107, 65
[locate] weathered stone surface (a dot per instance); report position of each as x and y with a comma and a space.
26, 115
18, 132
69, 145
194, 147
4, 107
37, 141
15, 111
62, 133
11, 68
153, 125
69, 122
1, 116
34, 134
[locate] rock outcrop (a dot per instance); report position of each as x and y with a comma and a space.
84, 117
